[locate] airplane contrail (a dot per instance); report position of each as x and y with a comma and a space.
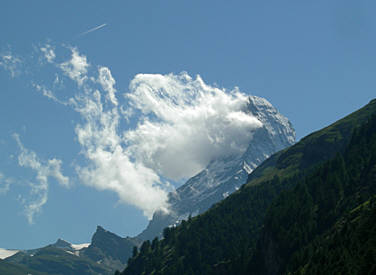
93, 29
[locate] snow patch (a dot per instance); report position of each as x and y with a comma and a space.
5, 253
80, 246
247, 168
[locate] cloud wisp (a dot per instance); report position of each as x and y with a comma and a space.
10, 63
4, 184
44, 170
48, 93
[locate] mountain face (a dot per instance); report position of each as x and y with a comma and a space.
223, 176
308, 209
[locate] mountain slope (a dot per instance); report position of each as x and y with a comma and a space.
225, 175
16, 269
223, 239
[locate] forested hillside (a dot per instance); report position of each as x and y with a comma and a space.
295, 207
324, 224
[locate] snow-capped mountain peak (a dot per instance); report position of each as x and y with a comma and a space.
224, 175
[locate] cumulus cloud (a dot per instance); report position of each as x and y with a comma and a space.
76, 67
44, 170
10, 63
186, 123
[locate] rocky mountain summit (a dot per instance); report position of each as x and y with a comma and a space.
225, 175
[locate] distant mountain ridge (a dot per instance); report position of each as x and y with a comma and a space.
223, 176
106, 253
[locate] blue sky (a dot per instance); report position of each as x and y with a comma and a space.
313, 60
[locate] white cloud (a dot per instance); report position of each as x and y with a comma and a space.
110, 166
44, 170
183, 124
76, 67
10, 63
186, 123
133, 182
48, 52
